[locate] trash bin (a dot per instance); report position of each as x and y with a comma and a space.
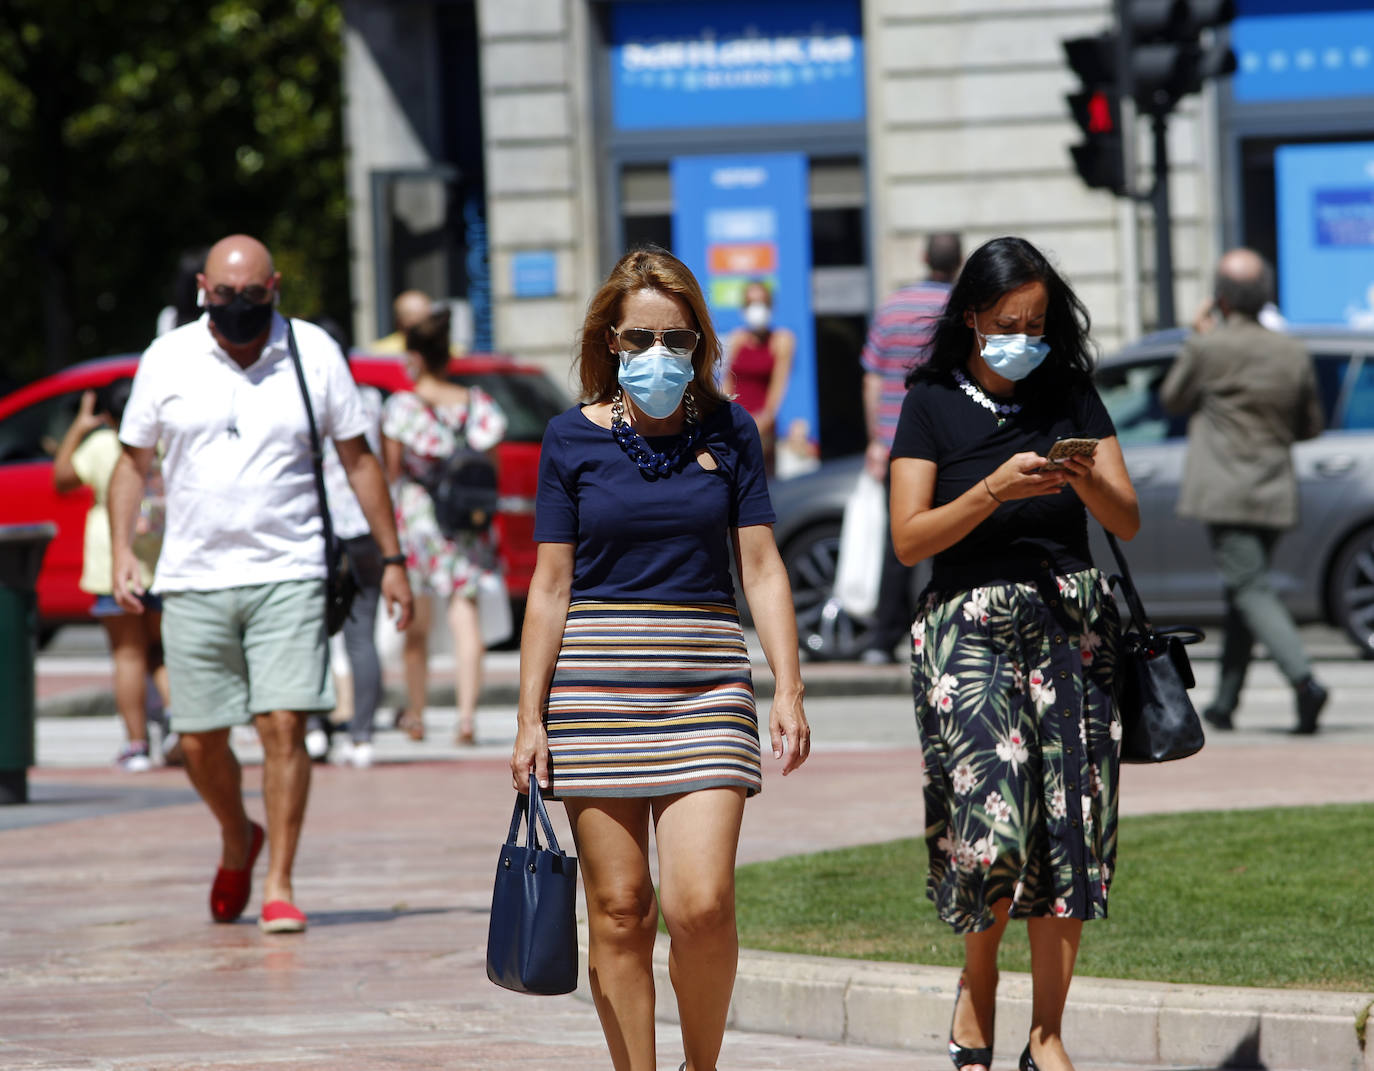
21, 555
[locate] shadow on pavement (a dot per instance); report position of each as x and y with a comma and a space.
51, 802
349, 918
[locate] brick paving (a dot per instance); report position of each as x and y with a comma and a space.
108, 959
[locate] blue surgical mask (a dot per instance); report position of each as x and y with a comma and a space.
1013, 357
655, 380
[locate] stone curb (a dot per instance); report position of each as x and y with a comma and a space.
904, 1006
850, 681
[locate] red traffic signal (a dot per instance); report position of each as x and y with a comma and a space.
1096, 109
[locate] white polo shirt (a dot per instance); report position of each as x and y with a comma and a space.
241, 501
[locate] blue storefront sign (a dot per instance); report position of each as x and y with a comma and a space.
534, 273
741, 218
1325, 199
712, 63
1307, 50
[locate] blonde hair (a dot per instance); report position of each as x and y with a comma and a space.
646, 268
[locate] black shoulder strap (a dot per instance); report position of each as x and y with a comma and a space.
316, 450
1133, 603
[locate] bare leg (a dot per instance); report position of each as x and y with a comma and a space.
698, 834
152, 639
214, 771
622, 920
416, 656
1054, 948
976, 1012
129, 653
285, 788
466, 626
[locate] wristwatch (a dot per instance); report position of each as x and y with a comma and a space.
394, 559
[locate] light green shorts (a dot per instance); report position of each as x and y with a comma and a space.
237, 652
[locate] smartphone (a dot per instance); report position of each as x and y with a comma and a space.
1066, 448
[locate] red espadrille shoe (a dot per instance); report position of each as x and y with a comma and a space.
281, 916
232, 888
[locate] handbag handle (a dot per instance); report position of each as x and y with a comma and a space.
1133, 603
1183, 633
531, 806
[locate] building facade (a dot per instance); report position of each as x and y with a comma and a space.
504, 152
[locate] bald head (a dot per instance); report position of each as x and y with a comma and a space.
410, 308
240, 256
1244, 282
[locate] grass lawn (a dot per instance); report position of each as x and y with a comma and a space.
1277, 897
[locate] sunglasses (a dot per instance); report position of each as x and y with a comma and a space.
679, 341
255, 295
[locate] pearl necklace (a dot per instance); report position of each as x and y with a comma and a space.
1001, 410
651, 461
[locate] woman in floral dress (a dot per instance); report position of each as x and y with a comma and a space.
420, 429
1013, 647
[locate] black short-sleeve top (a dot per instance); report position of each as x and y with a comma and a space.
1023, 538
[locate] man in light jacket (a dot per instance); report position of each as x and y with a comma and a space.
1252, 393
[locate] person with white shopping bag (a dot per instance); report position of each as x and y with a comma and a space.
900, 330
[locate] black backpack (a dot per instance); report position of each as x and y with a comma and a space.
464, 490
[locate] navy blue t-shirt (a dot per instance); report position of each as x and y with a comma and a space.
940, 423
640, 537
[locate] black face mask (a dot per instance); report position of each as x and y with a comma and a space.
240, 321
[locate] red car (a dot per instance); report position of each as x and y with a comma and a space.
34, 418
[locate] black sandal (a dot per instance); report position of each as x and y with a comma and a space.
962, 1055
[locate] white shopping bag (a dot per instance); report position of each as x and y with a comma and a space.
863, 540
388, 640
493, 609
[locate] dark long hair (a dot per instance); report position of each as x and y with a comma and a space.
429, 339
992, 270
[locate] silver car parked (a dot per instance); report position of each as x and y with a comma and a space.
1323, 569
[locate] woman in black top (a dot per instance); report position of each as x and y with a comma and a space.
1013, 646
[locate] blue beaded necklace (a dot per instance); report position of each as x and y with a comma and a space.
650, 461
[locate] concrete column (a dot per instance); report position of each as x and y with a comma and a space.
390, 121
537, 126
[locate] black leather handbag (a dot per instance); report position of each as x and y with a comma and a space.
340, 585
1153, 675
532, 938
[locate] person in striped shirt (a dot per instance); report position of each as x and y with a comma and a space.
896, 338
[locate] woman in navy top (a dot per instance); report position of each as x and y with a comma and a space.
636, 701
1014, 644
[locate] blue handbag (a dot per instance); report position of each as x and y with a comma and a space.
532, 939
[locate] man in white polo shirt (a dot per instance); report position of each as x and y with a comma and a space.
242, 567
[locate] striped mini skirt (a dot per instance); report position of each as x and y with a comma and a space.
652, 699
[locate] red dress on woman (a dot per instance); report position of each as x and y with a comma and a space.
752, 369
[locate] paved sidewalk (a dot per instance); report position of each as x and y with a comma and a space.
108, 959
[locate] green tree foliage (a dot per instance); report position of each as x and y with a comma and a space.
131, 132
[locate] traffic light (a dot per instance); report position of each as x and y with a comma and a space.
1168, 56
1097, 110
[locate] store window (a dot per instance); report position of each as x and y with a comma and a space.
840, 285
1299, 119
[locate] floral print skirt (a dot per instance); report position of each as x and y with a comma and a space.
1021, 744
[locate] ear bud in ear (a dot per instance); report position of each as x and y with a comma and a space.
200, 298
